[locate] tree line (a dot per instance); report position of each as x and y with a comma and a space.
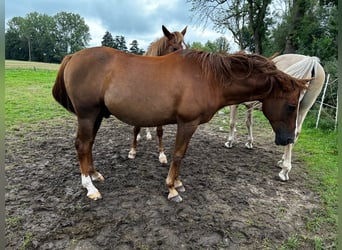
267, 27
44, 38
264, 26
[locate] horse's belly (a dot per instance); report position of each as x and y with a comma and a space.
143, 115
142, 119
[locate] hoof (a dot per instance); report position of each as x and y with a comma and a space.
180, 189
284, 176
95, 196
228, 144
131, 155
148, 137
249, 145
176, 198
97, 177
162, 158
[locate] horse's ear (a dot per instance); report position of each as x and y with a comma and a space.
184, 30
166, 32
274, 55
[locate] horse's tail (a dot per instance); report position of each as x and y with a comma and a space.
59, 91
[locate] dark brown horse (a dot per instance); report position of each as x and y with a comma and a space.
186, 88
170, 42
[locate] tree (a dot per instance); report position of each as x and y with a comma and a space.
108, 40
73, 32
135, 48
308, 27
16, 45
220, 45
33, 35
120, 43
40, 37
241, 17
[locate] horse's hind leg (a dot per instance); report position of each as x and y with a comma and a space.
162, 156
148, 134
232, 122
87, 129
249, 123
133, 150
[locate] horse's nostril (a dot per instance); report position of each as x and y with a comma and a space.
289, 140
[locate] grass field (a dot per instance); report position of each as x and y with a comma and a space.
28, 97
28, 101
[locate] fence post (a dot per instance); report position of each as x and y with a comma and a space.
321, 105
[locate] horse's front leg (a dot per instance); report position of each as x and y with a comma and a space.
249, 123
87, 129
232, 122
133, 151
162, 156
184, 134
285, 163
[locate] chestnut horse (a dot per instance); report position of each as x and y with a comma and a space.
299, 66
170, 42
185, 87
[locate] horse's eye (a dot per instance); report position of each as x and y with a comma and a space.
175, 49
291, 108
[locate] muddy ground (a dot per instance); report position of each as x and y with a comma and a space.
233, 198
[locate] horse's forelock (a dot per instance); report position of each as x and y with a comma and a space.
160, 46
179, 38
289, 83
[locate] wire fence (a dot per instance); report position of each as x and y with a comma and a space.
332, 106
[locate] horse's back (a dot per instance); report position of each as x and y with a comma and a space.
302, 66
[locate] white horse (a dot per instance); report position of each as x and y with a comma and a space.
300, 66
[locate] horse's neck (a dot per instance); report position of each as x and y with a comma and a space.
249, 91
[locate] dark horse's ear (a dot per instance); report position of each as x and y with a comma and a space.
166, 32
184, 30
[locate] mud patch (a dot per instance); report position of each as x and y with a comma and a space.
233, 198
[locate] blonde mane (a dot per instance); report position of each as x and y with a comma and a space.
158, 47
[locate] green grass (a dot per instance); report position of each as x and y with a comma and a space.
318, 149
28, 97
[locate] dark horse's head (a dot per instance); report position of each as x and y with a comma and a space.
281, 106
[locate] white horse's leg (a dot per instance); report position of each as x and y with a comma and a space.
138, 137
249, 123
285, 163
232, 122
148, 134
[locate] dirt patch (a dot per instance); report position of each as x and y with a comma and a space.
233, 198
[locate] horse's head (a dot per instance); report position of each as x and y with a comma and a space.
281, 106
175, 40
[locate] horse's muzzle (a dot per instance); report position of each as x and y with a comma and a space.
284, 139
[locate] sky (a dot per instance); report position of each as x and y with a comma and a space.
139, 20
